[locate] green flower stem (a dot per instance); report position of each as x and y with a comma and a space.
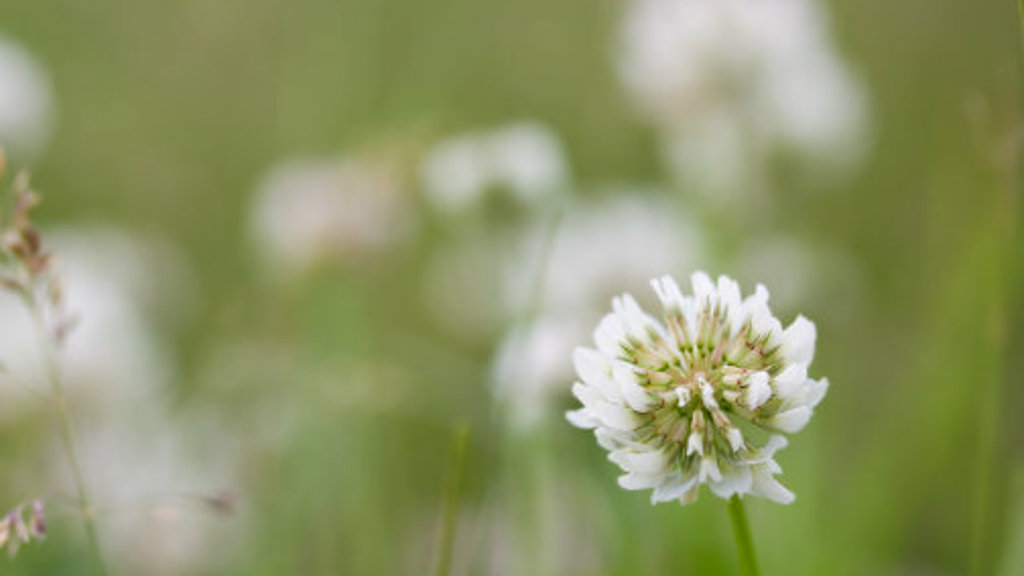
67, 434
451, 501
741, 533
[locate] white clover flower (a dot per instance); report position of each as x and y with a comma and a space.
26, 101
700, 397
525, 159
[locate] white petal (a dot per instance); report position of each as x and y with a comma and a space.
673, 489
765, 453
772, 327
590, 364
709, 470
595, 370
618, 417
768, 487
695, 444
683, 394
816, 391
690, 317
729, 293
707, 395
581, 419
798, 341
756, 309
639, 325
735, 438
808, 395
773, 445
611, 439
668, 292
737, 480
791, 420
619, 458
636, 396
610, 336
648, 463
633, 318
633, 481
703, 288
588, 395
610, 414
790, 380
758, 391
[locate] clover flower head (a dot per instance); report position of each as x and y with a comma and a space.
701, 396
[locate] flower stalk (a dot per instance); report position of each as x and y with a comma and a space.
741, 534
26, 269
67, 434
451, 503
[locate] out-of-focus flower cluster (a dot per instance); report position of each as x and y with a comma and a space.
347, 210
524, 159
146, 465
725, 81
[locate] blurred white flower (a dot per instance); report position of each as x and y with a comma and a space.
162, 489
697, 398
530, 368
525, 159
723, 78
26, 101
599, 249
309, 211
113, 359
147, 472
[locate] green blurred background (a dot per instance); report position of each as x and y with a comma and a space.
341, 393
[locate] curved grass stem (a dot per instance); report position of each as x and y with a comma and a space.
67, 434
451, 502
